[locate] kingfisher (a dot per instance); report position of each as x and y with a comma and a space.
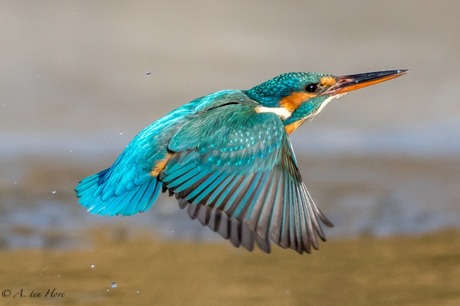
228, 160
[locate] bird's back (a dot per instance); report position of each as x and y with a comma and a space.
128, 187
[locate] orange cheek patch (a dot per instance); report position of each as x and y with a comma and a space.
293, 101
328, 81
160, 165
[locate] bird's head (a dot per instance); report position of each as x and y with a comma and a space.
299, 96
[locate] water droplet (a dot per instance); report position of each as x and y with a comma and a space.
53, 191
59, 275
92, 266
15, 182
172, 231
137, 291
114, 285
121, 132
148, 74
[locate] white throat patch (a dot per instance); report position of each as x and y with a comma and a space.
323, 105
329, 100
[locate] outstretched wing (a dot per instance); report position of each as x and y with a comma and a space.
234, 170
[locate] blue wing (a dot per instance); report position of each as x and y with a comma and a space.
234, 170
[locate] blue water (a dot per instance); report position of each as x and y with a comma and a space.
372, 198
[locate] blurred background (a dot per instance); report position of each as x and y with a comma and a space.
79, 79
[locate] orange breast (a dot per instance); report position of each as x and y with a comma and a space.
293, 126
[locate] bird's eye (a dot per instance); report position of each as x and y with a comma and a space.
311, 87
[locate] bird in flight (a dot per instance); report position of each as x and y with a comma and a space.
228, 160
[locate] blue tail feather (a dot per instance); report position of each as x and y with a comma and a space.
102, 195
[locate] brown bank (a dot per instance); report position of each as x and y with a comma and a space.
422, 270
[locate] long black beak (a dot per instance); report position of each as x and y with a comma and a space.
348, 83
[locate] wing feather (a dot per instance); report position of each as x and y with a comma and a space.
234, 170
